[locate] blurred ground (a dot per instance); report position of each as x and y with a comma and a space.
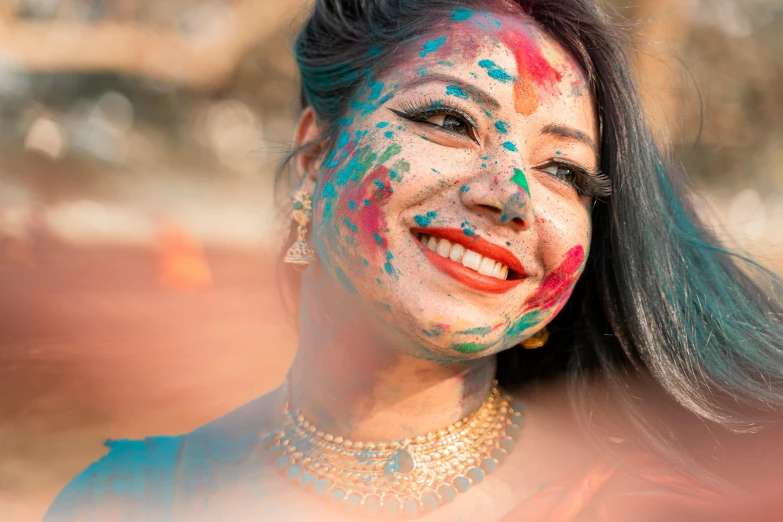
94, 348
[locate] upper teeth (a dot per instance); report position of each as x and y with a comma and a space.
468, 258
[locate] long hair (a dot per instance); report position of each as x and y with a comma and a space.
659, 296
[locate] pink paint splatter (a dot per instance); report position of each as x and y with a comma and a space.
555, 285
370, 220
532, 68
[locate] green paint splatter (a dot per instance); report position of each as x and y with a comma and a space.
520, 179
393, 150
471, 347
481, 330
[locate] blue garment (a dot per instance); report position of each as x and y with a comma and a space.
203, 474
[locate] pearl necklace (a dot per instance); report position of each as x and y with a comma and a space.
408, 477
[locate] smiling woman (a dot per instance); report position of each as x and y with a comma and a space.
475, 178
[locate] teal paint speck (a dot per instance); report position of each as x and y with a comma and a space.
464, 188
346, 121
510, 146
343, 141
382, 124
389, 134
494, 71
350, 225
366, 202
378, 238
328, 191
380, 184
468, 231
557, 152
432, 46
501, 126
461, 14
453, 90
344, 279
376, 91
366, 263
352, 204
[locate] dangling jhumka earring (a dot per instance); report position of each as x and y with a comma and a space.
537, 340
300, 252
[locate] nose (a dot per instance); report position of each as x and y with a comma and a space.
504, 197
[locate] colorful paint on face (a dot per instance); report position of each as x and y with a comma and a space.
533, 70
556, 284
461, 14
495, 71
510, 146
520, 179
502, 127
432, 46
425, 220
453, 90
469, 348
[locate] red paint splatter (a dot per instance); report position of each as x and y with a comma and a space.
532, 68
555, 285
370, 220
443, 328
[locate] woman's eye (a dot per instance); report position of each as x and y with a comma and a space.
567, 174
451, 123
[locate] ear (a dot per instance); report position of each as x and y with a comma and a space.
307, 162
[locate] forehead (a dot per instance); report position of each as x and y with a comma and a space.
524, 69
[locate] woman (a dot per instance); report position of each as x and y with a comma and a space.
473, 179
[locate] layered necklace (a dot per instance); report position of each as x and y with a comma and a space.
403, 478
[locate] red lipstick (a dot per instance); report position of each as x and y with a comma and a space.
466, 275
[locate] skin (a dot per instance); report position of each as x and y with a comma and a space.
390, 346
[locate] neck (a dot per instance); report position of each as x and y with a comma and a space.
349, 382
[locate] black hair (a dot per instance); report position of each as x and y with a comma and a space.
659, 296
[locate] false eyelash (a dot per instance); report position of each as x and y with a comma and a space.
589, 182
423, 109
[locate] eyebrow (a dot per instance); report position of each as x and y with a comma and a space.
476, 93
571, 133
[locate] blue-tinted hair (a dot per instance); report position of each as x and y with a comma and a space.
659, 296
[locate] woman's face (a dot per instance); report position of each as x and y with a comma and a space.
454, 209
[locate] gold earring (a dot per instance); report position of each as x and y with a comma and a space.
300, 252
537, 340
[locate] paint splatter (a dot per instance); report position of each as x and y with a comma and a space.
495, 71
481, 330
432, 46
520, 179
388, 134
382, 124
461, 14
532, 70
453, 90
555, 285
423, 221
510, 146
471, 347
344, 279
501, 126
464, 188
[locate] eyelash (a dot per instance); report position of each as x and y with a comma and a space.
587, 183
422, 110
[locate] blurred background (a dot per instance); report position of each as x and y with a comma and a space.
139, 240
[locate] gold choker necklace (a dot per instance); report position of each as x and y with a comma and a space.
407, 477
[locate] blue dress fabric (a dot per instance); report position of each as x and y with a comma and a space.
199, 475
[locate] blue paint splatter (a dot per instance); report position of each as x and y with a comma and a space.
375, 93
350, 225
344, 279
468, 231
494, 71
464, 188
346, 121
510, 146
453, 90
382, 124
378, 238
380, 184
366, 202
432, 46
389, 134
328, 191
351, 204
501, 126
343, 141
423, 221
461, 14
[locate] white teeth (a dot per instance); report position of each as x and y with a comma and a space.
486, 266
468, 258
457, 251
471, 260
